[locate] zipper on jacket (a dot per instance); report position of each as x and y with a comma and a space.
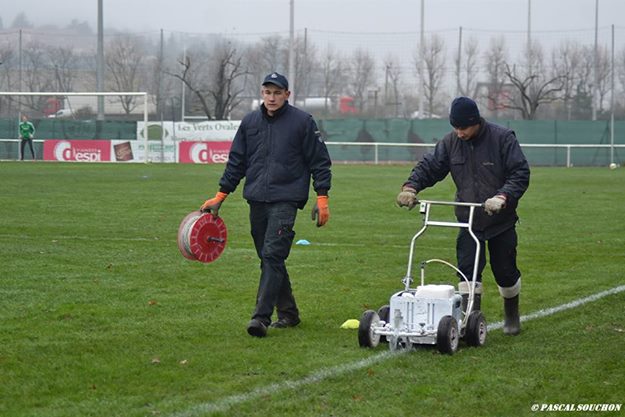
268, 145
473, 173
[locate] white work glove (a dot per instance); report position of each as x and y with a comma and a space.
407, 198
494, 204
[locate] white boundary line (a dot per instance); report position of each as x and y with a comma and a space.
573, 304
228, 402
225, 403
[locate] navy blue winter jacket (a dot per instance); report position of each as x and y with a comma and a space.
277, 156
490, 163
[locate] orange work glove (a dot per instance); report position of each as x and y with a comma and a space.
321, 211
212, 205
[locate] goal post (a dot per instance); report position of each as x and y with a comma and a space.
143, 95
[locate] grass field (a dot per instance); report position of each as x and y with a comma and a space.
100, 315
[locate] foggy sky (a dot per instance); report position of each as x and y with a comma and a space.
268, 16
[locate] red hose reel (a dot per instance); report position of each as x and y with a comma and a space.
202, 236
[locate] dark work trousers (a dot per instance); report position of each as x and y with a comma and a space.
272, 231
23, 145
501, 252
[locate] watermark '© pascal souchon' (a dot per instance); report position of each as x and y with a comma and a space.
606, 407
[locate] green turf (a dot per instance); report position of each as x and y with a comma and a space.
100, 315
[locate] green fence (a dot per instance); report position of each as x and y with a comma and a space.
73, 129
538, 132
10, 150
382, 131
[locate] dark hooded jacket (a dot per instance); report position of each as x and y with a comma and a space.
277, 156
488, 164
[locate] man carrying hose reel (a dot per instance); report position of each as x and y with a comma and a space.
277, 148
487, 165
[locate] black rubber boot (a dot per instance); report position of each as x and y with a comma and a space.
463, 289
477, 302
512, 320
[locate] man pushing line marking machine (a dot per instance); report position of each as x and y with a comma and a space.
486, 164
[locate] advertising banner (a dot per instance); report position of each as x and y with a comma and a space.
164, 139
206, 142
203, 152
77, 150
219, 130
134, 151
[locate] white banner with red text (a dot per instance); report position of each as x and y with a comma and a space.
169, 132
187, 152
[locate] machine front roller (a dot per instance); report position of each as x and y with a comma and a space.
447, 335
366, 334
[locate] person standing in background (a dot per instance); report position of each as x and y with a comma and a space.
27, 132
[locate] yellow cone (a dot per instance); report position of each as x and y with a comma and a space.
350, 324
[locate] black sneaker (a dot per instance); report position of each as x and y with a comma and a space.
257, 328
284, 323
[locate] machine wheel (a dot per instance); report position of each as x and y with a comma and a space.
384, 312
447, 335
366, 335
475, 332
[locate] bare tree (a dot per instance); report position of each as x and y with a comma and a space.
604, 72
265, 56
620, 65
363, 75
331, 69
581, 102
567, 61
217, 82
36, 75
63, 61
257, 70
532, 87
467, 69
187, 77
495, 59
225, 88
167, 99
21, 22
273, 50
434, 67
306, 64
392, 81
124, 57
8, 58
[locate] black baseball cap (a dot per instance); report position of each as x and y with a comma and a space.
277, 79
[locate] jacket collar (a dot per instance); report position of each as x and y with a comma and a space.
478, 134
276, 114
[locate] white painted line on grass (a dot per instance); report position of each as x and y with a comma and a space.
233, 400
573, 304
224, 404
